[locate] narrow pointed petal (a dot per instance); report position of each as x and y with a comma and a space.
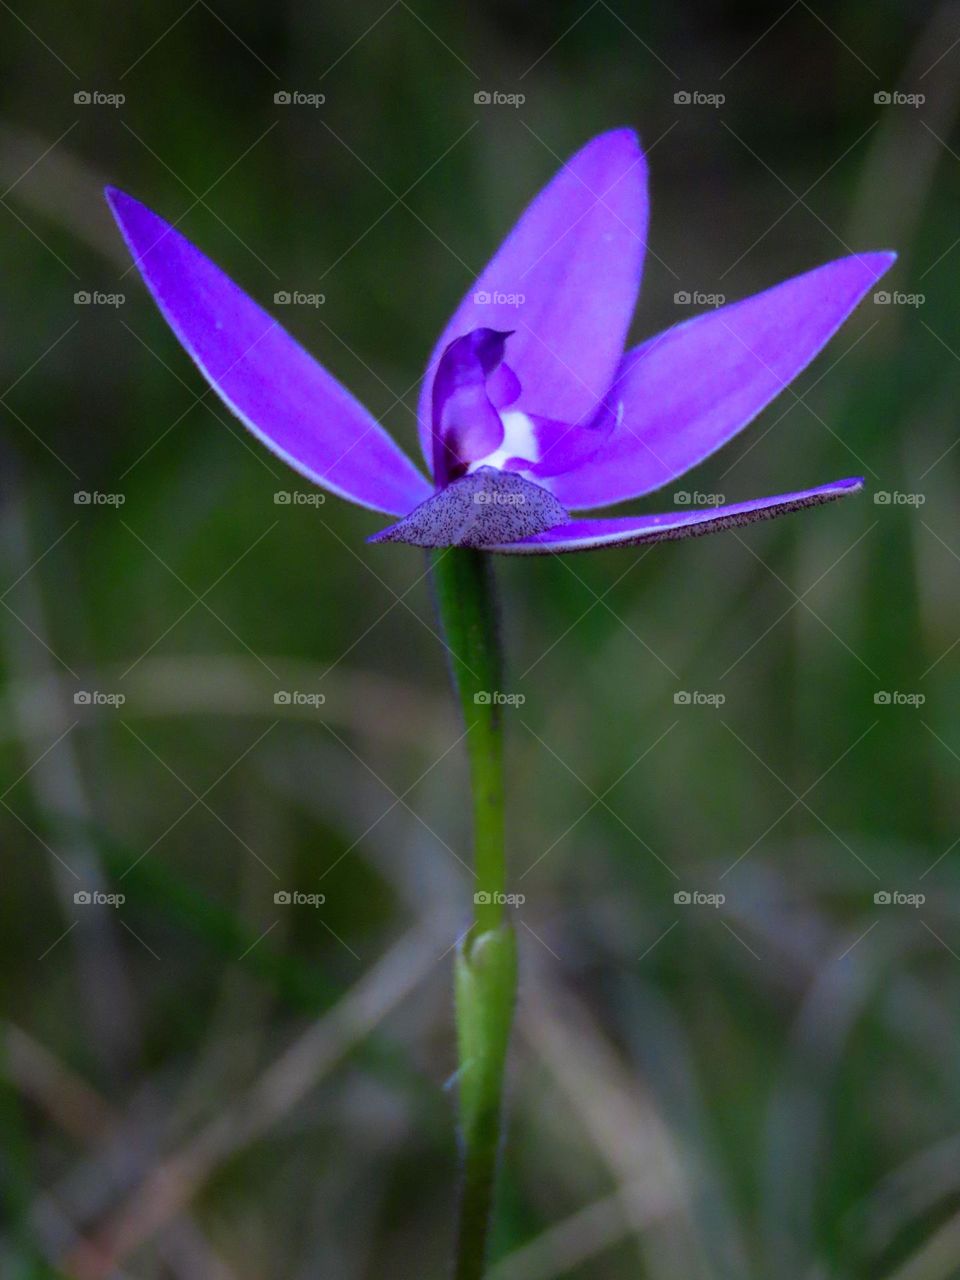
566, 281
590, 535
686, 392
267, 379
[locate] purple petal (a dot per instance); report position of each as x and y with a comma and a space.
486, 506
262, 375
687, 391
566, 280
587, 535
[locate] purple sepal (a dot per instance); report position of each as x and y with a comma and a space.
278, 391
566, 280
683, 394
590, 535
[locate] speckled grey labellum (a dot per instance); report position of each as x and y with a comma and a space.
485, 508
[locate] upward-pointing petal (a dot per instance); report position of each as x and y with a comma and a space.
262, 375
686, 392
565, 281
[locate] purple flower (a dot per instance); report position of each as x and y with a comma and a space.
530, 407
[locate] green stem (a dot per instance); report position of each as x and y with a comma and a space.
486, 965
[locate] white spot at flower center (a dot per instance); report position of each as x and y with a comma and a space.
519, 441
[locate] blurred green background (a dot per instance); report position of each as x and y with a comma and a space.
202, 1081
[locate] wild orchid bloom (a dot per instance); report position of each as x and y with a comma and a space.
530, 407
